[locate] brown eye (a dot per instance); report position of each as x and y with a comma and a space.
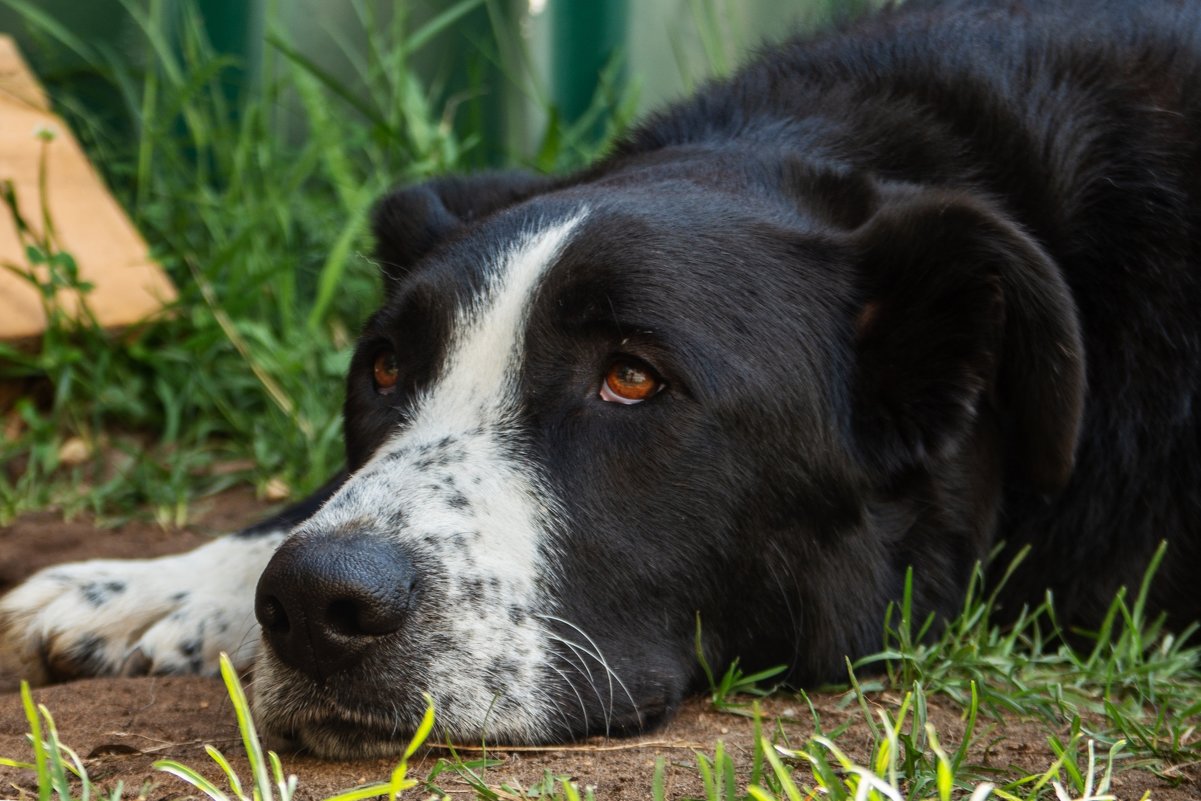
629, 382
385, 371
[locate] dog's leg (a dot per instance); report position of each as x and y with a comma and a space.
173, 614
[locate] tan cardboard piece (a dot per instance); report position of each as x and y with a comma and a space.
90, 224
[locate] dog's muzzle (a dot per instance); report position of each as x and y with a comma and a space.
324, 600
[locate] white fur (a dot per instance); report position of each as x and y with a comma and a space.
459, 446
173, 614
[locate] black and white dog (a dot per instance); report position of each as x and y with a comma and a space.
889, 297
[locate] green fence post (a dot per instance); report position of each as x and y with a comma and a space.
235, 27
585, 35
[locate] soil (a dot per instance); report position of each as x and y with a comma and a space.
120, 726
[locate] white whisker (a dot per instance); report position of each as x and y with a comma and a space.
578, 697
599, 657
583, 670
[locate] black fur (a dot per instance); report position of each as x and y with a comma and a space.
916, 288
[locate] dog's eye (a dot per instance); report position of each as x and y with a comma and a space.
628, 381
385, 371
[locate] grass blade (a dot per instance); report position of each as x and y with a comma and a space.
192, 777
439, 23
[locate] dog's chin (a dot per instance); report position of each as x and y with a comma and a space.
344, 735
346, 717
350, 716
338, 733
342, 717
336, 739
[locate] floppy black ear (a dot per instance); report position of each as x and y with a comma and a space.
410, 222
963, 308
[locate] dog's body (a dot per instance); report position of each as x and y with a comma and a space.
888, 297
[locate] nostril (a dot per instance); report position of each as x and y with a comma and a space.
368, 615
343, 616
270, 613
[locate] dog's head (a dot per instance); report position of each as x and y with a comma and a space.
591, 414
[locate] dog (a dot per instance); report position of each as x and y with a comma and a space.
903, 294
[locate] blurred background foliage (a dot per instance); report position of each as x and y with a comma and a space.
248, 140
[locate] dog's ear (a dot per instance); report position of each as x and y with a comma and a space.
831, 191
962, 308
410, 222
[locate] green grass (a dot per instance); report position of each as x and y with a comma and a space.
258, 213
1133, 681
906, 760
724, 690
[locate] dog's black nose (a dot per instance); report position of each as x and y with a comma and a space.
325, 599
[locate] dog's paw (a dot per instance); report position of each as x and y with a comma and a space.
174, 614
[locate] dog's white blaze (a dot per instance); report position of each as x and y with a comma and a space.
481, 516
486, 358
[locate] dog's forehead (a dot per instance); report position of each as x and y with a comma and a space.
540, 263
512, 250
506, 266
490, 326
640, 240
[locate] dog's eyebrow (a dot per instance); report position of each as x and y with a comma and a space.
613, 312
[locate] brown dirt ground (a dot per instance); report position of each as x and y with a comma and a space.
120, 726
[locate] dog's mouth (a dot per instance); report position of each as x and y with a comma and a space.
332, 719
356, 715
332, 740
339, 737
333, 731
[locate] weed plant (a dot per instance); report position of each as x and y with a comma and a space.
263, 232
1131, 680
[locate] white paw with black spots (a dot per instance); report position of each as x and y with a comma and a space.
170, 615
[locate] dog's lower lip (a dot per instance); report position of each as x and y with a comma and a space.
358, 738
280, 743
